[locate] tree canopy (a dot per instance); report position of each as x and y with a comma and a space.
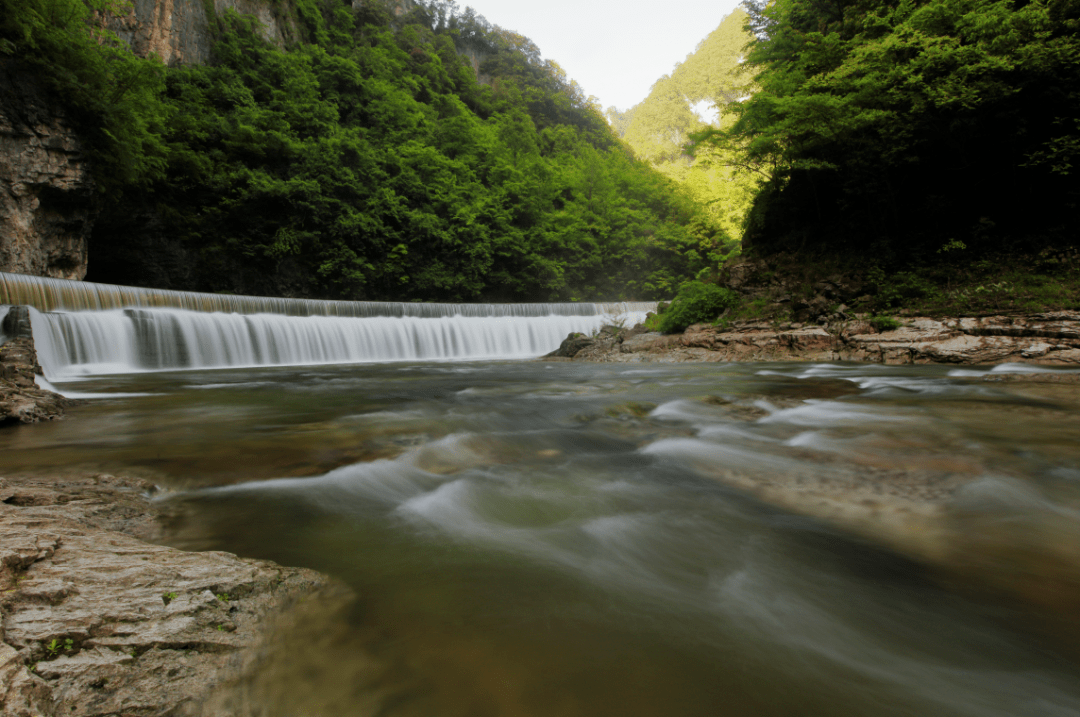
894, 130
420, 156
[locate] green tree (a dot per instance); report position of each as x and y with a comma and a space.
889, 129
112, 97
660, 127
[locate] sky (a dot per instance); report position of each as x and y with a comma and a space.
615, 51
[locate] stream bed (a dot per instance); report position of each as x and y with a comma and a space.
567, 539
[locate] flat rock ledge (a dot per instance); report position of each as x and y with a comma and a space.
96, 620
1047, 339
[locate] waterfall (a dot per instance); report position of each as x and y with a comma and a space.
83, 328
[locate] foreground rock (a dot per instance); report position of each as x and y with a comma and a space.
97, 621
1048, 339
21, 399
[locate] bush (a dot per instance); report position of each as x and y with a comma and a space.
884, 323
696, 303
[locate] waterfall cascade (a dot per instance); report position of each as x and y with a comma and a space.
86, 328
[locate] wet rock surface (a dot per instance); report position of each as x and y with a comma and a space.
571, 346
1046, 339
608, 340
98, 621
21, 399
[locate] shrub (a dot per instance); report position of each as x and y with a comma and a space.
884, 323
696, 303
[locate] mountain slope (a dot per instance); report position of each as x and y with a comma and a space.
659, 127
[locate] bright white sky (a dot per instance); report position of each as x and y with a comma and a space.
615, 51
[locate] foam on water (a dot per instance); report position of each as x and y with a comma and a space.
44, 383
816, 412
1007, 368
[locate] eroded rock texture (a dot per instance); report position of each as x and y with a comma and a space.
96, 621
21, 399
1049, 339
47, 202
178, 31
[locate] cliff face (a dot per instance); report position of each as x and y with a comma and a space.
47, 199
178, 31
47, 205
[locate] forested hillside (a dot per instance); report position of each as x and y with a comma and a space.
713, 78
365, 161
908, 132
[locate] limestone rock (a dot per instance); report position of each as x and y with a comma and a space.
97, 621
640, 342
47, 200
1050, 339
21, 399
571, 345
178, 31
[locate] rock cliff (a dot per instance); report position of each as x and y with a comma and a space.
21, 399
47, 202
179, 31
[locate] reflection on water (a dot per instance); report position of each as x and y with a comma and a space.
563, 539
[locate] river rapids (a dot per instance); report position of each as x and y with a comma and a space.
531, 539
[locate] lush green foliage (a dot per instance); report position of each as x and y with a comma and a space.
696, 302
113, 98
364, 160
892, 130
997, 283
884, 323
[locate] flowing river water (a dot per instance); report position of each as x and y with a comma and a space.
567, 539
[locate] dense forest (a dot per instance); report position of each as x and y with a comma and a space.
365, 161
904, 131
433, 156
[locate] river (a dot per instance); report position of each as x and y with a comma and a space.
568, 539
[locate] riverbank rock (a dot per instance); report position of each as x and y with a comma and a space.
1048, 339
97, 621
21, 399
571, 345
596, 347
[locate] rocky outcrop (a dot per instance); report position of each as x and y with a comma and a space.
571, 346
97, 621
47, 202
21, 399
608, 340
1048, 339
178, 31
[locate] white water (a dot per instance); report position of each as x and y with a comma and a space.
131, 340
82, 328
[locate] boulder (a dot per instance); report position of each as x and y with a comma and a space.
571, 345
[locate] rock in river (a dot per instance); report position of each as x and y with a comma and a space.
98, 621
